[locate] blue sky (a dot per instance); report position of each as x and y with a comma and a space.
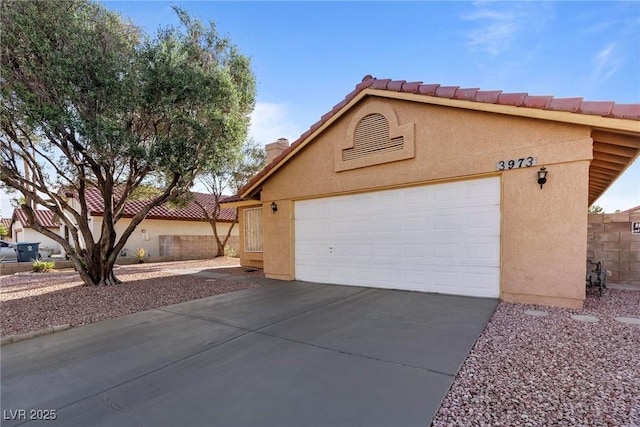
308, 55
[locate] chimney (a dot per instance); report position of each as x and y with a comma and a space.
276, 148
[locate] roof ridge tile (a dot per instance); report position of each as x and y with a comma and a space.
380, 83
467, 94
396, 85
598, 108
625, 111
565, 104
446, 91
537, 101
488, 96
411, 87
428, 89
510, 98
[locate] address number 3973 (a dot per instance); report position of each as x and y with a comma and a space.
523, 162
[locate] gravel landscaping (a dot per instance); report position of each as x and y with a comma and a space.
34, 301
537, 370
531, 366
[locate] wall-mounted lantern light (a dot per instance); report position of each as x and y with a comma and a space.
542, 176
274, 207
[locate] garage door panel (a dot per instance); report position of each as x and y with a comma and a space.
439, 238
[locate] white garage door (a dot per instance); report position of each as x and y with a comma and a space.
441, 238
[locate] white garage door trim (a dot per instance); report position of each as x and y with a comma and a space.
442, 238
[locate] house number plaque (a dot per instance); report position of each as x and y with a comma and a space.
522, 162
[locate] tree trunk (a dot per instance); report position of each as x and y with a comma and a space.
99, 272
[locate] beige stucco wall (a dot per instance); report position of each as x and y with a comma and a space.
543, 231
544, 236
157, 227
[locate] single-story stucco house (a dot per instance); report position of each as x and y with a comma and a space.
174, 233
22, 230
423, 187
6, 223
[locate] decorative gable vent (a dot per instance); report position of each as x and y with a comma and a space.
372, 137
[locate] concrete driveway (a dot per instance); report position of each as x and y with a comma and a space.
285, 354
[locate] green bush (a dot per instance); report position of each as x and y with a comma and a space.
40, 266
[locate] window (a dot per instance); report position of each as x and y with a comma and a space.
253, 230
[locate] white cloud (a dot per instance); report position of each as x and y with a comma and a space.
496, 29
606, 62
500, 26
271, 121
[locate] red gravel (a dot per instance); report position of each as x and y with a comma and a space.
552, 370
30, 302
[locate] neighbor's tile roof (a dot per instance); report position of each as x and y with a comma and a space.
44, 217
6, 222
573, 105
191, 212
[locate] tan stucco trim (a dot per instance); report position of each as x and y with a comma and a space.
603, 123
240, 204
292, 239
396, 186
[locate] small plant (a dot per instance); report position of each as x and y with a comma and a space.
140, 254
40, 266
230, 252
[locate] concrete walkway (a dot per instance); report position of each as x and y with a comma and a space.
284, 354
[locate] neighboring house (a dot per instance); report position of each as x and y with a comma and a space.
180, 233
433, 188
6, 222
22, 229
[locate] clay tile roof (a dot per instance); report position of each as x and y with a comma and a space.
380, 83
411, 87
625, 111
190, 212
522, 100
598, 108
428, 89
537, 101
446, 91
468, 94
6, 222
44, 217
488, 96
396, 85
565, 104
516, 99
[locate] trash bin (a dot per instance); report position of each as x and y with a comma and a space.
27, 252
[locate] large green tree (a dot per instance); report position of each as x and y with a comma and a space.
91, 104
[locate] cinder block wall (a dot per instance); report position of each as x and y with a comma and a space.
610, 240
193, 247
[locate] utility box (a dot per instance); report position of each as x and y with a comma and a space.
27, 252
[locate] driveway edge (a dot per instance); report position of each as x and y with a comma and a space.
27, 335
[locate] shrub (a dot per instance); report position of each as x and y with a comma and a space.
140, 255
40, 266
230, 252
